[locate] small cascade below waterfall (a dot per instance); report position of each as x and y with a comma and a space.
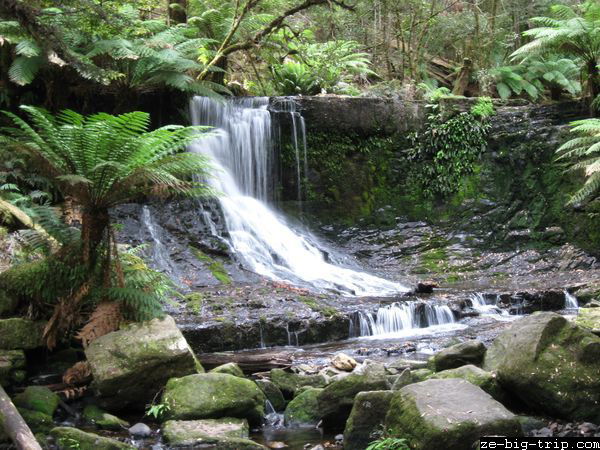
408, 318
571, 302
240, 147
159, 254
479, 304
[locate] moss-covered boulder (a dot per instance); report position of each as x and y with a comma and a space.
303, 409
401, 380
8, 303
469, 352
67, 438
20, 334
447, 414
420, 375
213, 396
552, 365
194, 432
221, 434
131, 365
290, 382
367, 416
273, 394
477, 376
102, 419
337, 399
230, 368
12, 366
37, 398
589, 318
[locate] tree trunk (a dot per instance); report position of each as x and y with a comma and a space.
462, 81
93, 231
14, 425
593, 83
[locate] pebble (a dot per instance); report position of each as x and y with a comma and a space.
140, 430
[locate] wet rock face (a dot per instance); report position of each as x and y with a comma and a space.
131, 365
361, 115
303, 410
450, 413
552, 365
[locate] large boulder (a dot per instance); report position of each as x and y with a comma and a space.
272, 393
469, 352
20, 334
447, 414
303, 409
589, 318
290, 382
337, 399
477, 376
367, 416
131, 365
67, 438
222, 433
552, 365
213, 396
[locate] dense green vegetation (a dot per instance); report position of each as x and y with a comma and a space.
110, 59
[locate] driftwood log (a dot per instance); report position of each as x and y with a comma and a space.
249, 363
14, 425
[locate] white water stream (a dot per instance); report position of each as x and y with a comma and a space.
240, 148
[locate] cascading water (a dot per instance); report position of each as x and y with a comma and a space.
161, 260
405, 319
241, 151
479, 304
570, 301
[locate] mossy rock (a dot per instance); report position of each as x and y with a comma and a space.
552, 365
447, 414
194, 432
8, 303
67, 438
290, 382
589, 318
20, 334
272, 393
131, 365
304, 409
37, 398
39, 422
213, 396
477, 376
12, 363
229, 368
469, 352
421, 375
337, 399
367, 416
102, 419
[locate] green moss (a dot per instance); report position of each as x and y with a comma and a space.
37, 421
69, 438
19, 333
194, 302
216, 267
304, 409
102, 419
316, 306
37, 398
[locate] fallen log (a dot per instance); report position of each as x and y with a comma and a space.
249, 363
14, 425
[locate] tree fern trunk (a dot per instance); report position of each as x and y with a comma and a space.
593, 83
93, 230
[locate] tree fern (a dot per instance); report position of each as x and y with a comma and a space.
582, 154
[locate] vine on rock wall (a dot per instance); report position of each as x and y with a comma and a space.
446, 150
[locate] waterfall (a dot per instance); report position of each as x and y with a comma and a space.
570, 301
402, 318
241, 151
161, 260
480, 305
